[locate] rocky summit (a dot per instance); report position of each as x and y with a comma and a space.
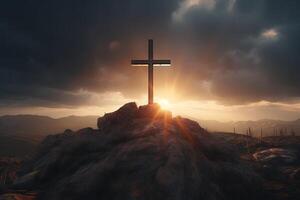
138, 153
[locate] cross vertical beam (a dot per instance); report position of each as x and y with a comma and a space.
150, 72
151, 63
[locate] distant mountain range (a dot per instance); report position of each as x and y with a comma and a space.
40, 126
37, 127
20, 134
268, 127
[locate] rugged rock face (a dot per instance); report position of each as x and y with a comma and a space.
130, 113
139, 153
276, 156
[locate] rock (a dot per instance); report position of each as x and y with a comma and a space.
86, 131
25, 181
68, 132
137, 155
119, 118
275, 156
122, 118
3, 188
16, 196
295, 175
153, 111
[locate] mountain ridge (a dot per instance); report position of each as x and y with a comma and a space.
138, 153
11, 125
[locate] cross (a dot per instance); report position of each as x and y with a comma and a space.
150, 63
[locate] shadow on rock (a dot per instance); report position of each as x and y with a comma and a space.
139, 153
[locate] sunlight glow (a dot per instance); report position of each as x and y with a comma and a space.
164, 103
270, 34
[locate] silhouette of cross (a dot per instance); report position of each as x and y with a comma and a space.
150, 63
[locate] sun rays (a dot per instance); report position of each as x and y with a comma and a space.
164, 103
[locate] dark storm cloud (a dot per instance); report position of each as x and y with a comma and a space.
275, 75
62, 44
51, 49
231, 51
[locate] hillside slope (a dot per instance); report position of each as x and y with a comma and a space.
40, 126
139, 153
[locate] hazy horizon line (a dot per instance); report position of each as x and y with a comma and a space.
193, 118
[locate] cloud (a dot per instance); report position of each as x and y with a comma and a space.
231, 4
211, 110
270, 34
232, 51
244, 59
186, 5
114, 45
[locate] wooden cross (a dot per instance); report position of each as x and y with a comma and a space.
150, 63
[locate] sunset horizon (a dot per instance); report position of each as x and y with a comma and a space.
231, 60
203, 110
149, 99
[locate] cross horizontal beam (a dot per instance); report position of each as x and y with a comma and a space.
150, 63
155, 63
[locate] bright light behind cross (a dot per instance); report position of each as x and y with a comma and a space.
164, 103
150, 63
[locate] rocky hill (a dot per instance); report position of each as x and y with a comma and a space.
138, 153
145, 153
26, 126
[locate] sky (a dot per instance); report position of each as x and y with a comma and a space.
231, 59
